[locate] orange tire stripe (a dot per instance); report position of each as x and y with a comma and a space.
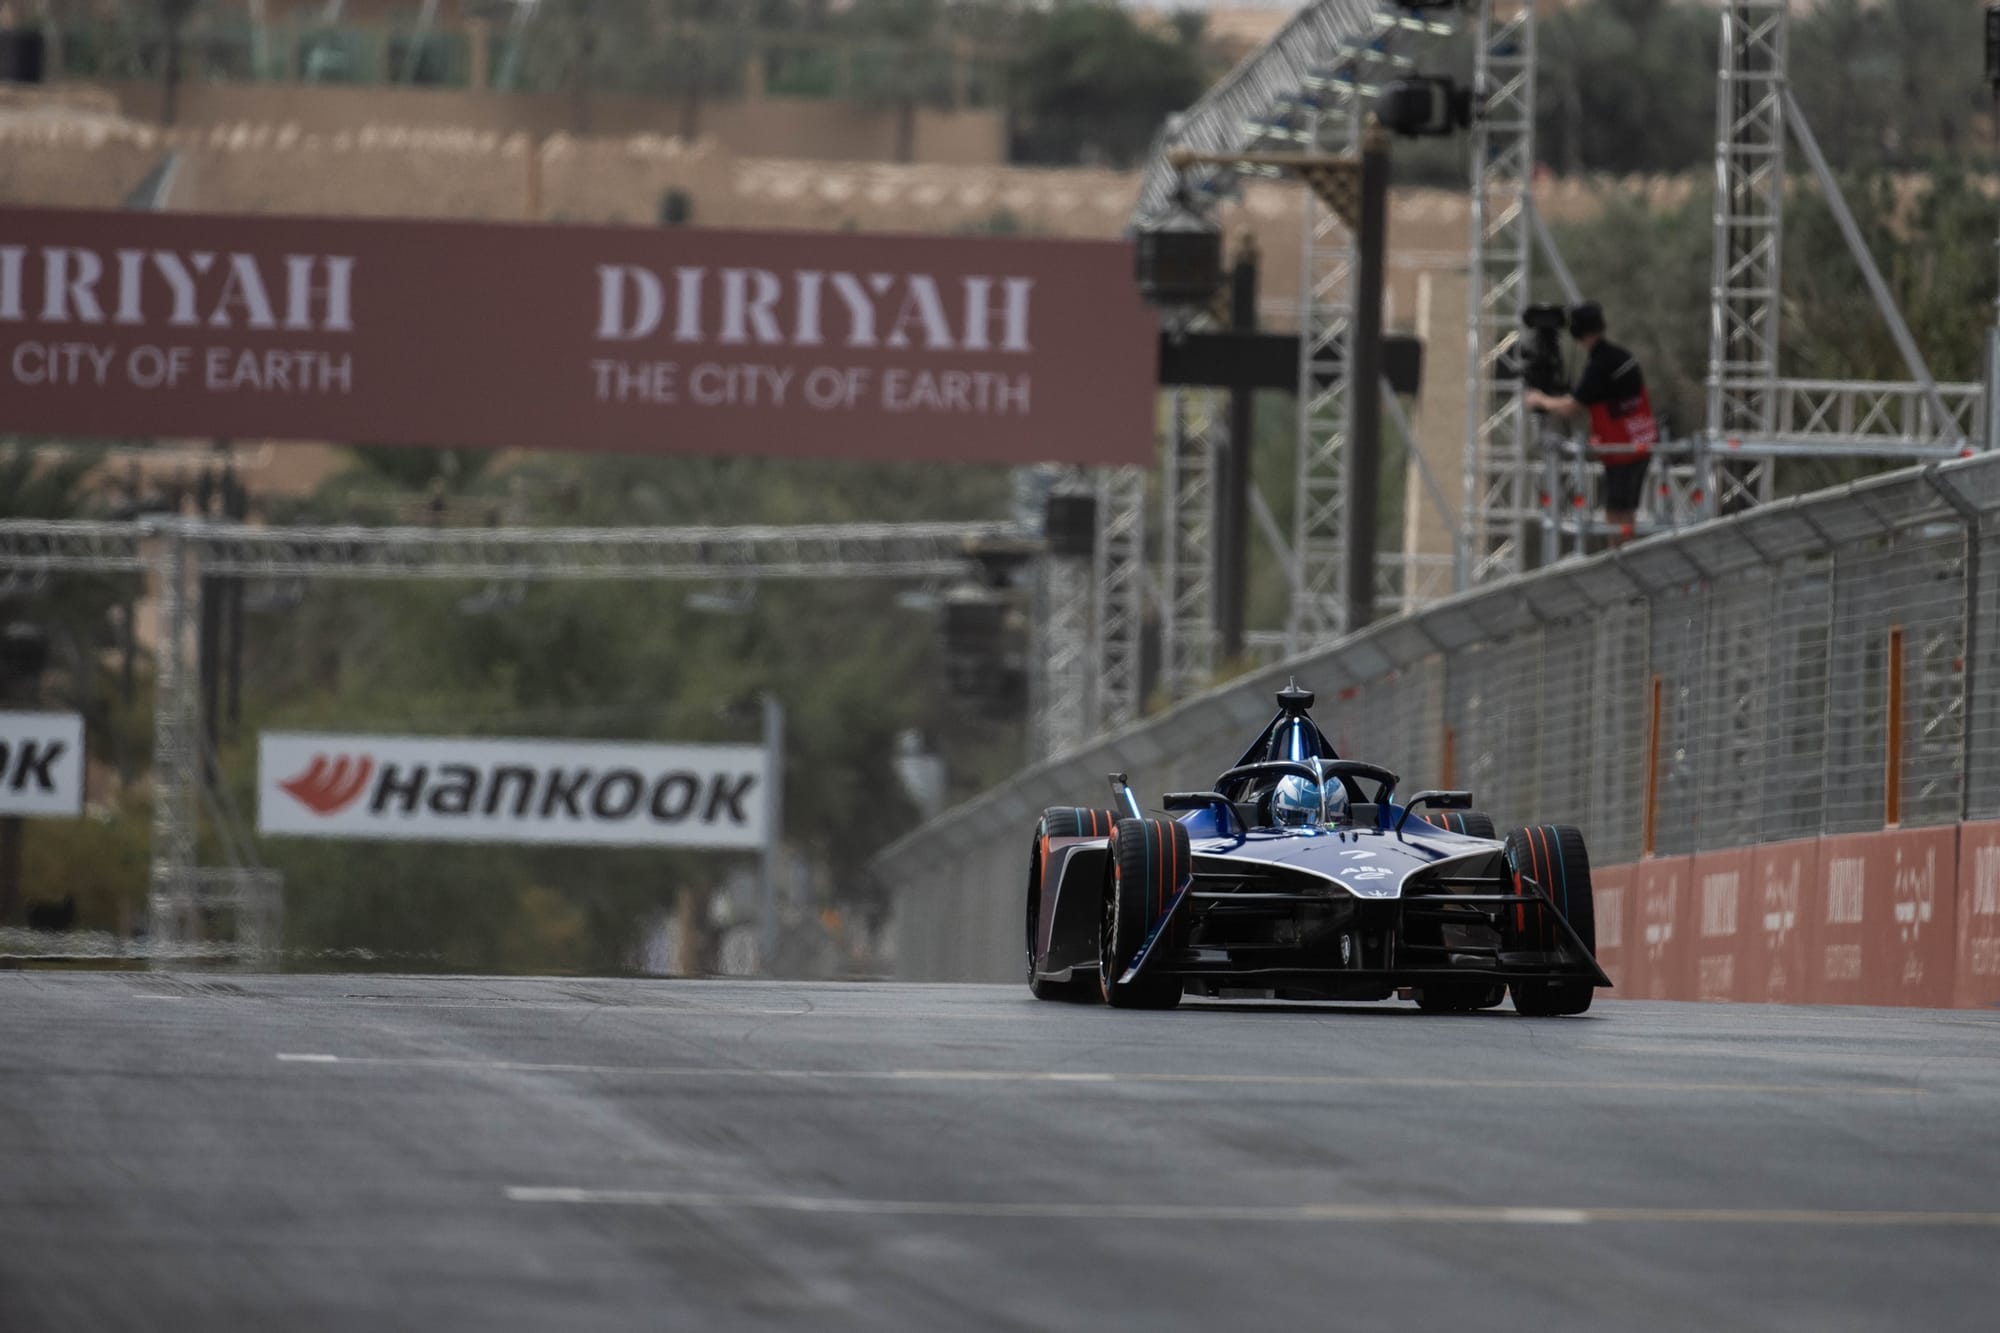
1548, 883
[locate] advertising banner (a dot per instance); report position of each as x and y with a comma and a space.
645, 340
1976, 983
41, 764
1722, 919
1610, 891
1771, 964
1887, 918
581, 793
1662, 963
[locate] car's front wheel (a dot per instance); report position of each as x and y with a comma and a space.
1058, 821
1149, 860
1553, 856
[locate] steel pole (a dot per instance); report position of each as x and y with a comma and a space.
1364, 380
1232, 482
774, 817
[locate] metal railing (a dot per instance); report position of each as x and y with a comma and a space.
1775, 638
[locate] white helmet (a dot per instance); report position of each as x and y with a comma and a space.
1295, 802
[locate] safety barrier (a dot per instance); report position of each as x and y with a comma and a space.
1899, 916
1776, 730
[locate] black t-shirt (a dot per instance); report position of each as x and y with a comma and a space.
1610, 375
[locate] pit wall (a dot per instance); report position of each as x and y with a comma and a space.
1896, 917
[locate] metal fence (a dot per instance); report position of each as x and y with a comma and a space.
1772, 642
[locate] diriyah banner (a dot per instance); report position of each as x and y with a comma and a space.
581, 793
661, 340
41, 764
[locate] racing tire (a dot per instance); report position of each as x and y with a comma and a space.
1460, 997
1149, 858
1060, 821
1469, 822
1553, 856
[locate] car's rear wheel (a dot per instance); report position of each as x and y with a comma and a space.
1059, 821
1471, 823
1150, 859
1553, 856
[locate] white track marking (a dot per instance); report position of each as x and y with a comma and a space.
1089, 1077
1305, 1212
296, 1058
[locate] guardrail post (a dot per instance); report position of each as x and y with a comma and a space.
1892, 760
1652, 807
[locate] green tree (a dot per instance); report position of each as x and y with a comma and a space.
900, 61
1091, 84
1626, 86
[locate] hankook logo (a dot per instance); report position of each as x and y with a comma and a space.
326, 787
578, 793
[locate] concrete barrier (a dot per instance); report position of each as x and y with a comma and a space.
1976, 976
1894, 917
1772, 958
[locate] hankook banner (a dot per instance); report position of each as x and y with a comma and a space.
657, 340
41, 764
588, 793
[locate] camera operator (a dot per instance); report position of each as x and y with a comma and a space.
1611, 392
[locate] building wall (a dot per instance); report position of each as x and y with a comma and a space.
752, 127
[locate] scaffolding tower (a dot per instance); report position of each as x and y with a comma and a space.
1756, 416
1118, 576
1335, 111
1197, 432
1502, 472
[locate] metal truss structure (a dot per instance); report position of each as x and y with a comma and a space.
182, 553
1503, 473
1197, 432
1061, 698
1326, 322
1118, 569
880, 550
1263, 102
1756, 417
1059, 710
1749, 231
1305, 90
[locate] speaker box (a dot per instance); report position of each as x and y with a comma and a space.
21, 51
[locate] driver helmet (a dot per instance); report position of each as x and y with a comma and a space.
1295, 802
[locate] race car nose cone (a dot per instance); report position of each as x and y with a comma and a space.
1294, 700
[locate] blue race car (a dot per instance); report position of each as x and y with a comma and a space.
1299, 877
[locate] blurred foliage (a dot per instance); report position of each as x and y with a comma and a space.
616, 661
1627, 86
1092, 84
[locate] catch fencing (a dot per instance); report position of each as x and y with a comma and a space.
1818, 680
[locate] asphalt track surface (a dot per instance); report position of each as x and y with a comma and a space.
208, 1152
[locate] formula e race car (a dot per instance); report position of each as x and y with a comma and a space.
1292, 879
